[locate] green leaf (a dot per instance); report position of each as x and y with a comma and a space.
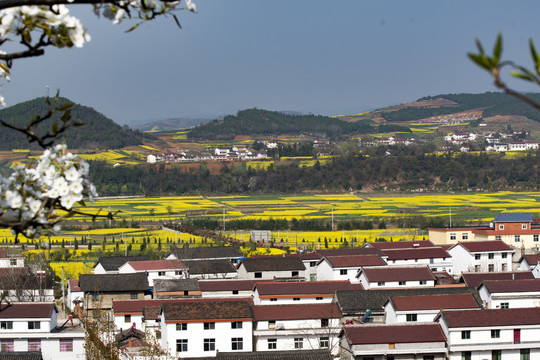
535, 57
65, 106
520, 75
67, 116
497, 49
479, 46
482, 61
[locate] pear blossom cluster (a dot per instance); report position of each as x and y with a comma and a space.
34, 198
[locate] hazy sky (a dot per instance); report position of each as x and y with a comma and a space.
324, 57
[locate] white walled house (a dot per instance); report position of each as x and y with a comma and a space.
345, 267
424, 308
156, 269
201, 329
492, 333
297, 327
310, 261
398, 341
272, 267
510, 294
33, 327
476, 279
304, 292
384, 277
211, 269
111, 264
10, 260
435, 257
227, 288
481, 256
205, 253
74, 294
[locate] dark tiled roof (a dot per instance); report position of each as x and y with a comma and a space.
479, 246
229, 285
417, 253
434, 302
505, 286
356, 302
296, 312
310, 256
21, 355
167, 285
355, 261
276, 355
112, 263
114, 282
354, 251
219, 266
402, 244
137, 306
392, 334
273, 263
3, 253
27, 310
475, 279
304, 287
155, 265
394, 273
532, 260
151, 312
491, 317
513, 217
212, 310
211, 252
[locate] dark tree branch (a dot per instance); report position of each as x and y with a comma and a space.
4, 4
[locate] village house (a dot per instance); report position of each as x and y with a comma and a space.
111, 264
389, 245
272, 267
201, 329
176, 288
20, 284
399, 341
296, 327
532, 263
307, 292
33, 327
345, 267
156, 269
211, 269
510, 294
228, 288
310, 260
10, 260
424, 308
491, 333
476, 279
481, 256
435, 257
380, 277
74, 294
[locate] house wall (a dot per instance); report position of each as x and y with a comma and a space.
393, 284
525, 240
50, 347
311, 269
226, 293
514, 300
411, 351
267, 275
99, 269
120, 321
512, 354
290, 299
6, 263
325, 271
444, 237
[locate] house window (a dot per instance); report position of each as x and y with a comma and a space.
504, 267
258, 275
453, 236
209, 345
412, 317
181, 326
517, 238
13, 262
380, 283
127, 318
134, 296
318, 298
161, 273
324, 322
535, 238
495, 334
312, 263
324, 342
7, 345
95, 297
181, 345
272, 344
209, 325
517, 336
294, 273
498, 237
429, 357
424, 282
298, 343
343, 272
34, 325
496, 354
273, 299
235, 292
465, 236
477, 268
465, 355
296, 299
523, 226
66, 345
177, 273
466, 334
491, 268
237, 343
6, 325
477, 256
505, 305
525, 354
491, 256
34, 344
236, 325
501, 227
504, 255
272, 324
402, 283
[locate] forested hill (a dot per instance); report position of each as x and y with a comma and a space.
492, 103
273, 123
98, 131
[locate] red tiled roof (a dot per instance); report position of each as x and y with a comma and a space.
74, 285
228, 285
355, 261
3, 253
507, 232
137, 306
434, 302
296, 312
304, 288
393, 334
532, 260
27, 310
350, 252
310, 256
502, 286
417, 253
157, 265
13, 271
491, 317
394, 273
478, 246
475, 279
402, 244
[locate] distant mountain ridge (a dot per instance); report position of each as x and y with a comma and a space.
98, 131
171, 124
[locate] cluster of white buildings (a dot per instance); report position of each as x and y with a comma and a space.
220, 154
